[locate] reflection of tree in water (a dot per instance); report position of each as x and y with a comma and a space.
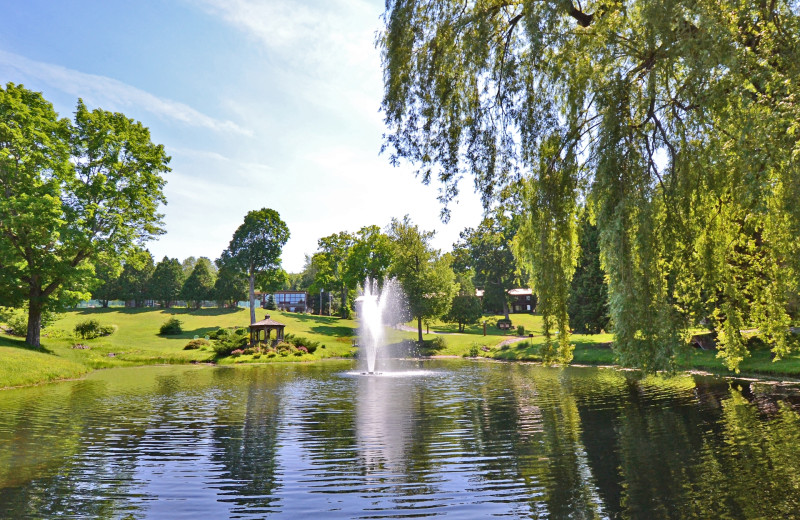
749, 470
549, 452
60, 460
245, 441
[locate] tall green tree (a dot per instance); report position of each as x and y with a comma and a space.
465, 309
587, 305
330, 261
107, 282
167, 281
72, 193
256, 247
136, 276
425, 274
676, 120
199, 286
231, 284
491, 258
369, 257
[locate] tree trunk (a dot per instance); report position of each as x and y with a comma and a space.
505, 308
32, 336
419, 329
104, 303
252, 296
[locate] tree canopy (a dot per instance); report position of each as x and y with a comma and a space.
676, 120
256, 247
73, 193
167, 281
489, 254
425, 275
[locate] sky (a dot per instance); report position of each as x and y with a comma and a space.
260, 103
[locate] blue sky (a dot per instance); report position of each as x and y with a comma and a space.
260, 103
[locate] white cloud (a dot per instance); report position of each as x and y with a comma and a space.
113, 94
324, 51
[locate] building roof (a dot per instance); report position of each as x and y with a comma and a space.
519, 292
511, 292
267, 322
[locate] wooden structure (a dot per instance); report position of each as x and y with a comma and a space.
261, 331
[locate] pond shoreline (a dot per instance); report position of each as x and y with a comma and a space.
743, 376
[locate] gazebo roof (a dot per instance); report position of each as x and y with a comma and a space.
267, 323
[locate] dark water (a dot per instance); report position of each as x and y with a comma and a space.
460, 440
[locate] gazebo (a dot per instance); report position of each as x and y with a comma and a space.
262, 330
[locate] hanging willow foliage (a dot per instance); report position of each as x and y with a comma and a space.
676, 121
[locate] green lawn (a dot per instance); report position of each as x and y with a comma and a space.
136, 342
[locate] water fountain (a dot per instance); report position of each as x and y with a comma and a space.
374, 305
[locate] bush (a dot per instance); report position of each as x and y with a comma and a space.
299, 341
16, 320
271, 353
171, 327
473, 350
429, 346
195, 344
520, 330
257, 355
218, 334
249, 351
225, 346
91, 329
237, 352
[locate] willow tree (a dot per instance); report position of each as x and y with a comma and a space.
675, 120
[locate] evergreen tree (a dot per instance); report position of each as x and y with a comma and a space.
135, 278
231, 284
167, 281
588, 297
107, 283
199, 286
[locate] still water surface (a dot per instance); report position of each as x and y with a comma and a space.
456, 439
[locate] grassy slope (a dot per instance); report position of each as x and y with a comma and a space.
21, 366
136, 343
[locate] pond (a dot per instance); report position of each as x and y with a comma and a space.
447, 438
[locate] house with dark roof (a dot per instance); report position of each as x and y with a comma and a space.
520, 300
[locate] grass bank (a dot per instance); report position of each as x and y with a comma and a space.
136, 342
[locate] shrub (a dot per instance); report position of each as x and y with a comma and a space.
218, 334
520, 330
249, 351
302, 349
236, 353
473, 350
257, 355
271, 353
90, 329
171, 327
430, 346
299, 341
195, 344
16, 320
226, 345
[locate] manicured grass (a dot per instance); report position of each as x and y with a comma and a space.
136, 342
22, 366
